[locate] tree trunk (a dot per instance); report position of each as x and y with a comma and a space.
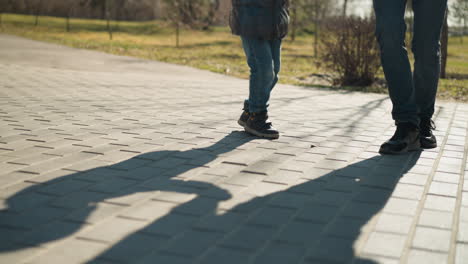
345, 7
68, 23
177, 34
109, 27
444, 49
293, 22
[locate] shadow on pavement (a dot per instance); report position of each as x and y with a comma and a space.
320, 219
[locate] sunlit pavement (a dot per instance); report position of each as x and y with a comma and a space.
107, 159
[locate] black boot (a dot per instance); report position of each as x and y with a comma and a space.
245, 115
406, 138
428, 140
259, 125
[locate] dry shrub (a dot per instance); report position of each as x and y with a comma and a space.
350, 50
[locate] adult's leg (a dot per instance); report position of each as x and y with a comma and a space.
390, 32
260, 60
428, 19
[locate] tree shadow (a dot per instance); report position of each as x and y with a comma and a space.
318, 220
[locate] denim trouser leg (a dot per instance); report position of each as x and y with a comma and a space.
413, 96
428, 19
390, 32
263, 58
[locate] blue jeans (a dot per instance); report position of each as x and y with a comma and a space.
413, 95
264, 60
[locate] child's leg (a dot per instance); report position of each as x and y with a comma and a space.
262, 73
276, 54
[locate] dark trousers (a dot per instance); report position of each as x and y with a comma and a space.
413, 94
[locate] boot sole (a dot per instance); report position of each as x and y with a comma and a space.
416, 146
258, 134
241, 123
428, 145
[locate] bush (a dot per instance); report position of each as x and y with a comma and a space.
350, 50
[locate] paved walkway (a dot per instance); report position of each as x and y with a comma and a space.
107, 159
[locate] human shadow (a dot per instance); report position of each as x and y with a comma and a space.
76, 196
317, 221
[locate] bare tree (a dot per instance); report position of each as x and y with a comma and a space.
345, 7
459, 10
191, 13
350, 50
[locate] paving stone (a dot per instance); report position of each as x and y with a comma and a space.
461, 253
71, 251
193, 243
148, 210
394, 223
345, 228
145, 174
132, 247
413, 178
112, 229
447, 177
432, 239
436, 219
271, 216
333, 250
157, 257
249, 237
462, 232
93, 215
224, 255
401, 206
384, 244
300, 232
171, 224
416, 256
440, 203
52, 232
441, 188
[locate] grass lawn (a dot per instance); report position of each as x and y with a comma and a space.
216, 50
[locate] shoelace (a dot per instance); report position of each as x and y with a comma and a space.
428, 125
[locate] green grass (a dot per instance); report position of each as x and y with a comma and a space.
215, 50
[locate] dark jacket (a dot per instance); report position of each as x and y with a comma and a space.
264, 19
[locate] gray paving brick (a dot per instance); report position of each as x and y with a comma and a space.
149, 168
436, 219
333, 250
441, 188
416, 256
432, 239
280, 253
384, 244
112, 230
300, 232
271, 216
461, 253
172, 224
440, 203
249, 237
70, 251
94, 215
394, 223
408, 191
156, 257
462, 235
193, 243
133, 247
